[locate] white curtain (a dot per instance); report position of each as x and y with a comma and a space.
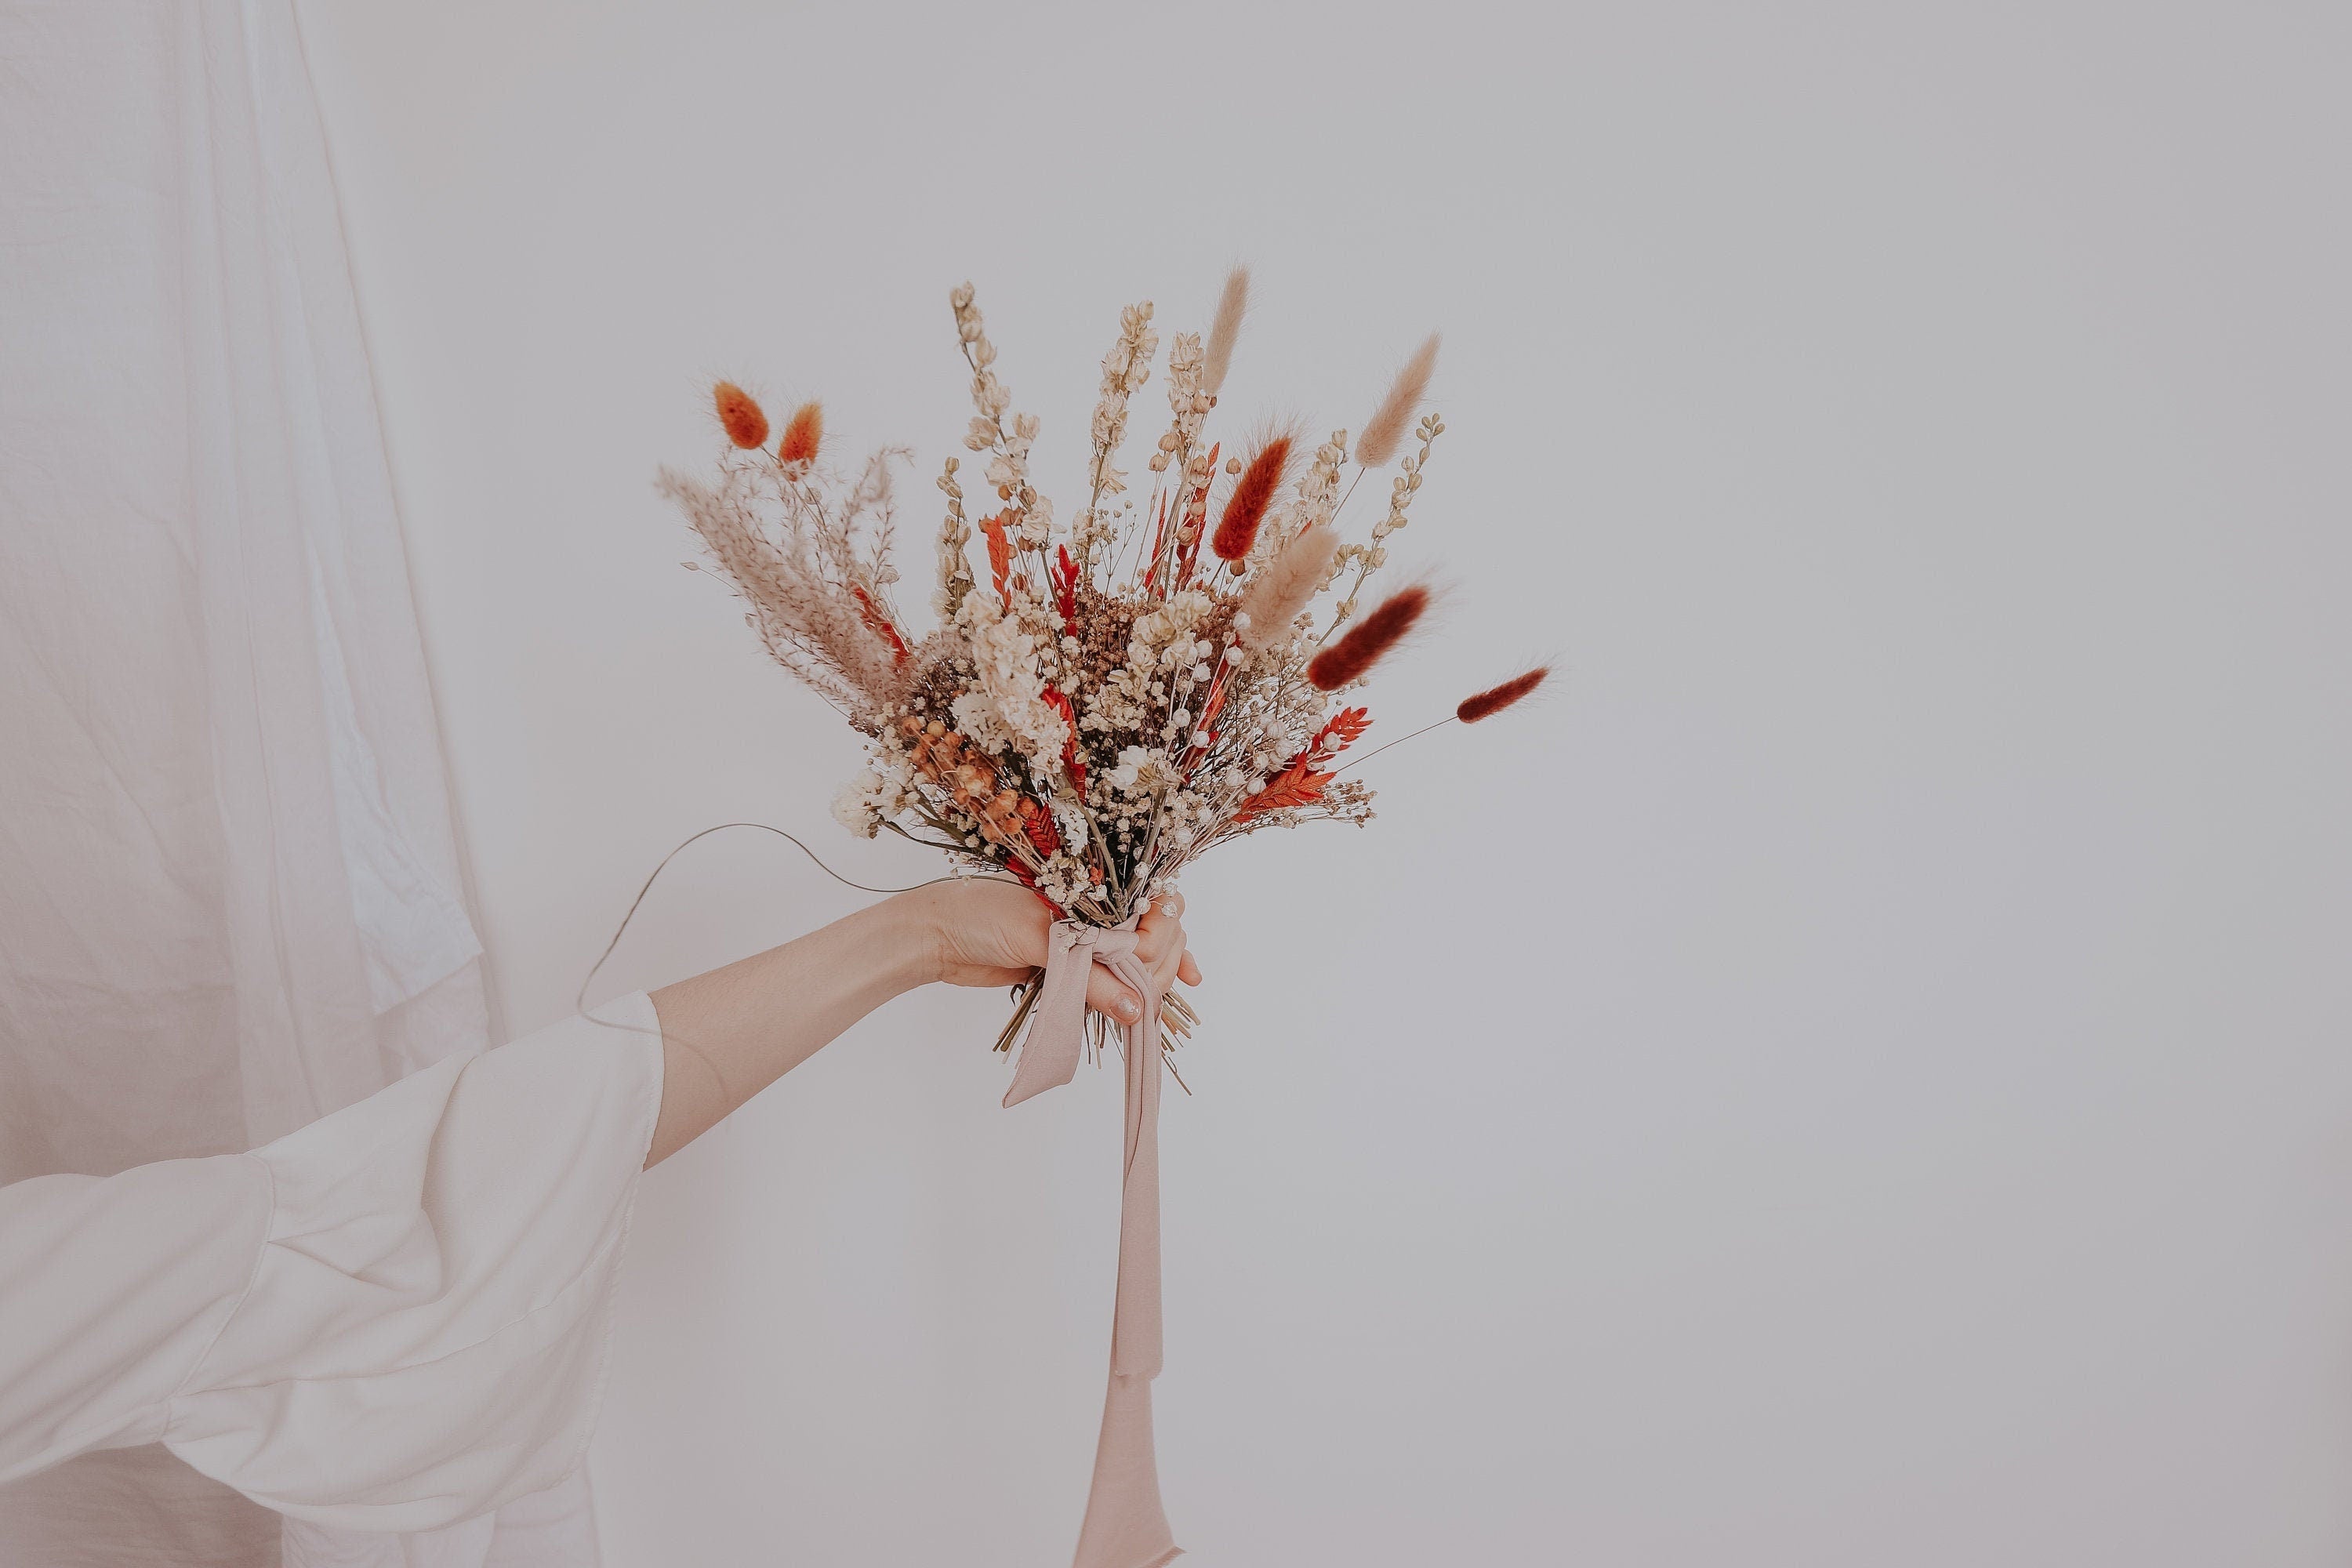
230, 894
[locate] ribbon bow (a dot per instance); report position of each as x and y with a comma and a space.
1126, 1527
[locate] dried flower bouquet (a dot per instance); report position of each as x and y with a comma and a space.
1117, 694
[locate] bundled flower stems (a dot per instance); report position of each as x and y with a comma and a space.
1103, 698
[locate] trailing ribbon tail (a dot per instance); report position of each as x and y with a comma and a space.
1126, 1525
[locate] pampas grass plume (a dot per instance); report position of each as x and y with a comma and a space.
1494, 698
740, 416
1225, 329
802, 432
1283, 586
1384, 431
1253, 493
1350, 657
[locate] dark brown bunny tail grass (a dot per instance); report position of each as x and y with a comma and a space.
1494, 698
1384, 431
1348, 659
740, 416
802, 433
1253, 493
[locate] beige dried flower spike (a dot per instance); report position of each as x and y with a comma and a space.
1384, 431
1232, 305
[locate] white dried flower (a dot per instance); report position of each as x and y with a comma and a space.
854, 807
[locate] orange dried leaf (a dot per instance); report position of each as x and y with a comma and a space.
999, 548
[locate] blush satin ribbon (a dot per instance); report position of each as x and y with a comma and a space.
1126, 1527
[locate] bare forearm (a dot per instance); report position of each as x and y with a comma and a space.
729, 1033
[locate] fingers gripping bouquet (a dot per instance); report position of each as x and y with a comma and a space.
1102, 702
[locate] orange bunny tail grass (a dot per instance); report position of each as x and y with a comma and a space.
1349, 659
1384, 431
802, 433
1225, 330
740, 416
1494, 698
1282, 588
1253, 493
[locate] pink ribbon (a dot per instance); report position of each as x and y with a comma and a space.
1126, 1527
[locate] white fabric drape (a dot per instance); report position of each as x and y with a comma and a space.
230, 896
396, 1318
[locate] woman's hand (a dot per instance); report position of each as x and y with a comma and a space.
729, 1033
994, 933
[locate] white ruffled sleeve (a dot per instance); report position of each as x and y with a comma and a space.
395, 1319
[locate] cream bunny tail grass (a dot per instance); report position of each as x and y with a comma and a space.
1283, 586
1225, 329
1384, 431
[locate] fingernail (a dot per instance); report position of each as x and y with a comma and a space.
1127, 1007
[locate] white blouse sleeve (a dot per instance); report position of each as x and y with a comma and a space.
395, 1319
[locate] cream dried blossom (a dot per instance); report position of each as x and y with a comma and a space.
1008, 442
1188, 403
1007, 655
857, 807
1124, 369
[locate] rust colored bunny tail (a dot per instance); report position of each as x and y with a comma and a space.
740, 416
802, 432
1494, 698
1253, 493
1348, 659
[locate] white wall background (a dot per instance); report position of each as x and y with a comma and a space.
1861, 1077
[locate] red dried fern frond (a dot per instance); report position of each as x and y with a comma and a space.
1295, 786
1059, 700
879, 624
1301, 781
1038, 823
1064, 578
1341, 731
1000, 549
1348, 659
